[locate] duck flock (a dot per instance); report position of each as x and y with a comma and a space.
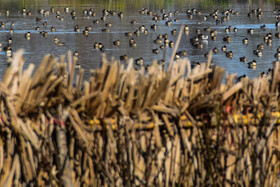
160, 30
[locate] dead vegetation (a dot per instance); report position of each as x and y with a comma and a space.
122, 127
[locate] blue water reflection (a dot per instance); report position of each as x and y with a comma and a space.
90, 58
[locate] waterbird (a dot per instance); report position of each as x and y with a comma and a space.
139, 61
27, 35
252, 64
123, 57
155, 51
243, 59
245, 41
215, 50
250, 31
229, 54
117, 42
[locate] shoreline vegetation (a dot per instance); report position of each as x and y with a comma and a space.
177, 127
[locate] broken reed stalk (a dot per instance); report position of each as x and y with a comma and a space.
126, 127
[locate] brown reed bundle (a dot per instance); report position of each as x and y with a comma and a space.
126, 127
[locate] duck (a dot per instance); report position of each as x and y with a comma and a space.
263, 27
76, 28
215, 50
56, 39
213, 32
158, 41
186, 28
37, 28
102, 49
235, 29
103, 18
177, 57
133, 22
227, 30
257, 52
117, 42
27, 35
124, 57
45, 23
168, 23
120, 14
146, 32
260, 47
86, 32
66, 9
155, 51
245, 41
128, 34
165, 36
173, 32
95, 45
105, 30
252, 64
8, 50
203, 37
277, 55
132, 44
214, 38
224, 48
105, 12
197, 45
108, 24
88, 28
182, 53
277, 35
53, 29
11, 31
131, 41
229, 54
95, 21
10, 41
100, 45
154, 27
243, 59
139, 61
227, 39
166, 42
250, 31
141, 28
137, 33
171, 44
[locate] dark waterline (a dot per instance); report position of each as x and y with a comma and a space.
89, 58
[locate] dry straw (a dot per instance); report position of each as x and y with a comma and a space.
122, 127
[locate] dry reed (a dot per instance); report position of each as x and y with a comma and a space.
122, 127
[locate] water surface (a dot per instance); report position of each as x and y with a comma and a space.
90, 58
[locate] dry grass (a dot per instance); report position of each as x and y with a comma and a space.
122, 127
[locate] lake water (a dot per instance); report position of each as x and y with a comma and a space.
90, 58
